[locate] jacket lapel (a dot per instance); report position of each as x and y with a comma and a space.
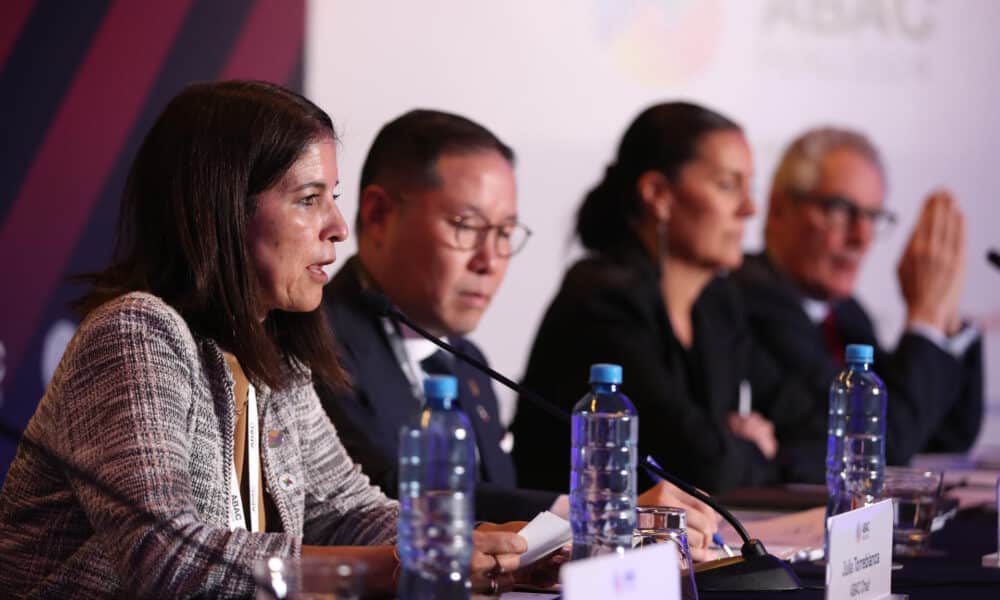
475, 396
360, 334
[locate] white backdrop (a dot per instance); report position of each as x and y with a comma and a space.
559, 82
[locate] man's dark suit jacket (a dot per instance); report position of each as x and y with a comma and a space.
935, 401
610, 309
368, 416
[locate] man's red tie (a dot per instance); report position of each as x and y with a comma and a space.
834, 343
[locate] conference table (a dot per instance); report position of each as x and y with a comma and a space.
956, 573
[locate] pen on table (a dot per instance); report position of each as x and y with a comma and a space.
745, 405
722, 544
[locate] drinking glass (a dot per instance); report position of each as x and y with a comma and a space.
915, 494
309, 578
667, 525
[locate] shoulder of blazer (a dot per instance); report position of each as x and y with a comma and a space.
853, 320
353, 324
624, 269
468, 346
613, 286
723, 297
763, 289
755, 270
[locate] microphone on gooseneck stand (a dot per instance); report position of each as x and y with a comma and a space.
755, 570
380, 304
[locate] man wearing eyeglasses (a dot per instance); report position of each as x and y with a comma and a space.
826, 209
437, 225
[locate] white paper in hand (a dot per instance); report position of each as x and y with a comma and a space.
545, 534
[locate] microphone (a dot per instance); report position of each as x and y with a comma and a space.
994, 257
755, 570
380, 304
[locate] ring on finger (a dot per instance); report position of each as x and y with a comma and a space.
497, 568
494, 586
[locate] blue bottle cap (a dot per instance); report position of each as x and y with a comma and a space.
441, 386
859, 353
605, 373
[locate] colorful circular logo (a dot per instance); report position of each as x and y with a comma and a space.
661, 41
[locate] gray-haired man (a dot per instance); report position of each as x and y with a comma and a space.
826, 208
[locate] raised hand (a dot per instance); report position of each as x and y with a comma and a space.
932, 268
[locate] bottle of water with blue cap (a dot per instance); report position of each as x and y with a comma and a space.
605, 438
436, 479
855, 450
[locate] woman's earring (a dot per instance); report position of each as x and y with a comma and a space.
661, 236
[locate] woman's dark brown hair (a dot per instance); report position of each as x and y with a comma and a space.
182, 231
662, 138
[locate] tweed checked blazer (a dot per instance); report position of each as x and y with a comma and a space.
120, 486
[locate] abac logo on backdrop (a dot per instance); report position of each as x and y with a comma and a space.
878, 41
660, 42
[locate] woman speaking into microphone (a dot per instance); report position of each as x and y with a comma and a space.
180, 439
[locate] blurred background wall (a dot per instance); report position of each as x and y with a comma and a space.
80, 82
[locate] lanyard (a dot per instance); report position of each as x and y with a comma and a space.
237, 519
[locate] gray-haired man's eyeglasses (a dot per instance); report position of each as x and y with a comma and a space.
841, 212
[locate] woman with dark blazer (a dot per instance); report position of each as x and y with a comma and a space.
661, 227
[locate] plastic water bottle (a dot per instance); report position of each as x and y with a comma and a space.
605, 436
855, 450
436, 479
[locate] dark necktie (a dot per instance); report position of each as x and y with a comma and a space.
442, 363
439, 363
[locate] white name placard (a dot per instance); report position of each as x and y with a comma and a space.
652, 572
859, 562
